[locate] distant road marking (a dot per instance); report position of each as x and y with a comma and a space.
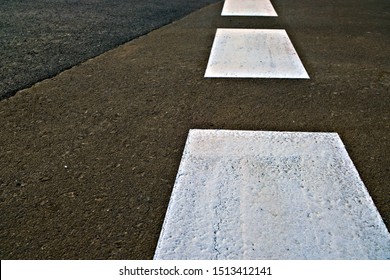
254, 53
270, 195
248, 8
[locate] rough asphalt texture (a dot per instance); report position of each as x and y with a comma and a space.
89, 157
40, 38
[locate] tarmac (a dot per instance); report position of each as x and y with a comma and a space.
41, 38
89, 157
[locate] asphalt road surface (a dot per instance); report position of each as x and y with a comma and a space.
89, 157
40, 38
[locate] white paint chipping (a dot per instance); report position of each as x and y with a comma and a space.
270, 195
254, 53
248, 8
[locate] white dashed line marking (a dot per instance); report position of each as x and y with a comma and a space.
254, 53
270, 195
248, 8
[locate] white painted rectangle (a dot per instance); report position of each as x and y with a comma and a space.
270, 195
254, 53
248, 8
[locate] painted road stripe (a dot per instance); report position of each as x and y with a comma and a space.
270, 195
248, 8
254, 53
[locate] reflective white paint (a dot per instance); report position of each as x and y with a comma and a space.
248, 8
254, 53
270, 195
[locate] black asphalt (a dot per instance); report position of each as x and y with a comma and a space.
40, 38
89, 157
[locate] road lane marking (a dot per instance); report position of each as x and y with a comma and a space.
270, 195
254, 53
248, 8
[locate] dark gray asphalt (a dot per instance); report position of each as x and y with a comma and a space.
40, 38
88, 158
